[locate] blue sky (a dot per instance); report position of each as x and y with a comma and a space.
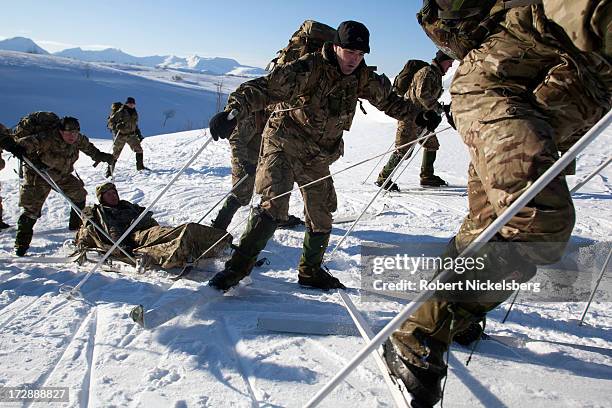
248, 31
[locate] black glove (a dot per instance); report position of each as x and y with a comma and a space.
221, 127
8, 144
449, 116
248, 168
139, 134
106, 158
429, 120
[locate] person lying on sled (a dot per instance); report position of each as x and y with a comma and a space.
167, 247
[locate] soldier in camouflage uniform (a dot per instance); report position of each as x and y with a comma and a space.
5, 140
54, 151
422, 84
522, 91
245, 143
124, 125
167, 247
316, 96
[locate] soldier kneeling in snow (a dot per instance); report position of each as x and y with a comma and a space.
168, 247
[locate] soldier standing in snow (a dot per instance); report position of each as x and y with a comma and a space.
317, 96
523, 90
422, 84
54, 151
124, 125
245, 143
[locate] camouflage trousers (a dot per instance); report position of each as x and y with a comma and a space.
507, 155
244, 191
276, 174
131, 139
406, 133
34, 191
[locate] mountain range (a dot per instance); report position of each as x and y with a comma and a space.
195, 63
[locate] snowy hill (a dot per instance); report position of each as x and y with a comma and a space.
214, 65
214, 355
21, 44
167, 100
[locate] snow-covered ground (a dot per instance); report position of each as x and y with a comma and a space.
168, 100
213, 354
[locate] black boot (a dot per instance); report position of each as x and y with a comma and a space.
424, 384
139, 162
291, 222
25, 231
310, 272
226, 213
74, 223
428, 178
259, 230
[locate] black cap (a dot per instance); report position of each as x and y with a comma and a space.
130, 100
353, 35
69, 123
441, 57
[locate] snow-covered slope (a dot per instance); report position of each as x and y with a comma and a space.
21, 44
166, 100
214, 355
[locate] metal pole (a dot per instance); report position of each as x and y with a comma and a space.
601, 274
590, 176
377, 164
368, 334
45, 176
482, 239
511, 305
224, 197
357, 164
380, 189
137, 220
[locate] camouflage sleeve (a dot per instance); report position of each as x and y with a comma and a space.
426, 87
242, 135
284, 84
88, 148
379, 92
32, 143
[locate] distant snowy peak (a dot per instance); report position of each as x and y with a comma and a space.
109, 55
213, 65
21, 44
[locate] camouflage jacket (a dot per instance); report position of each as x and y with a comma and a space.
115, 220
426, 87
125, 121
247, 135
315, 104
51, 150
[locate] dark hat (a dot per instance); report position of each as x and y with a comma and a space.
69, 123
441, 57
103, 188
130, 100
353, 35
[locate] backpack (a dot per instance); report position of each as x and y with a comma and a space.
404, 78
310, 37
36, 122
115, 107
